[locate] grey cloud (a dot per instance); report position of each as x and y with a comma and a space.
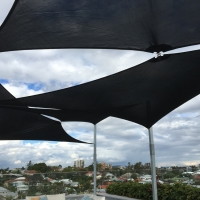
57, 69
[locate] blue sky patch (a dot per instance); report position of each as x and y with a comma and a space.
34, 86
3, 81
38, 141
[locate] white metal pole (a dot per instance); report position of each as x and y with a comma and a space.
153, 164
95, 162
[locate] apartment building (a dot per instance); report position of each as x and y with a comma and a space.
79, 163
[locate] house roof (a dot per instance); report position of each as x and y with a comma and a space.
30, 172
12, 181
20, 178
89, 173
3, 189
197, 176
102, 186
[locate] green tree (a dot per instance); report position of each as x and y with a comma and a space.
11, 188
169, 175
34, 179
9, 198
98, 166
40, 167
29, 164
57, 188
134, 176
60, 166
90, 167
147, 166
129, 165
21, 195
138, 165
68, 169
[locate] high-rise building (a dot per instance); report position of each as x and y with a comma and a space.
79, 163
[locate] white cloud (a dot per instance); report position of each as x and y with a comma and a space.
18, 162
20, 90
63, 68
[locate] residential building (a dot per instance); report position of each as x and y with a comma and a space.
110, 177
22, 188
105, 166
103, 186
79, 163
15, 182
89, 174
127, 175
30, 172
4, 192
189, 169
66, 181
99, 176
118, 167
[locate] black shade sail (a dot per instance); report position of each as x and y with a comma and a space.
20, 125
142, 94
147, 25
63, 114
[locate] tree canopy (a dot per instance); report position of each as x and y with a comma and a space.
40, 167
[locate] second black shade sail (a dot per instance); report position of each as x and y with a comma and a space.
142, 94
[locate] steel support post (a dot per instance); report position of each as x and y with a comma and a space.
153, 164
95, 162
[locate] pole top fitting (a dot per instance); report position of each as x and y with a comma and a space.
158, 54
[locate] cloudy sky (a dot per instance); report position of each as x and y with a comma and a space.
23, 73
